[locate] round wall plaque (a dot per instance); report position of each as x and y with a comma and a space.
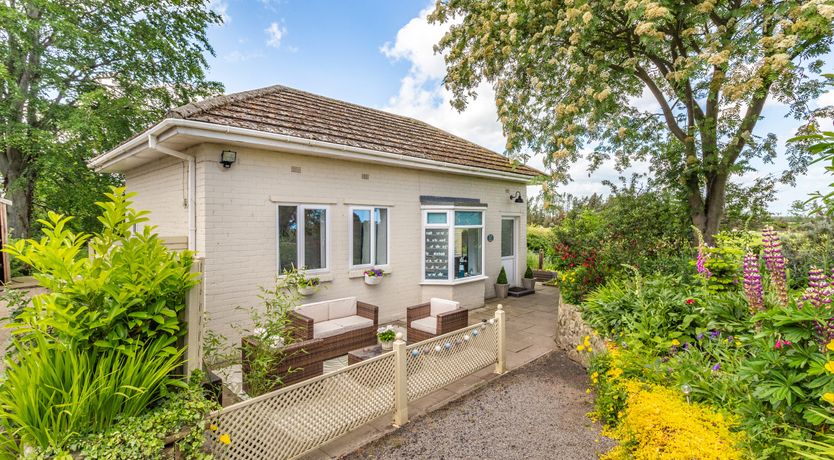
490, 237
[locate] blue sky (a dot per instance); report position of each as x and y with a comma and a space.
379, 54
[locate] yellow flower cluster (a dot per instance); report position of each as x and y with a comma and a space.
585, 345
658, 424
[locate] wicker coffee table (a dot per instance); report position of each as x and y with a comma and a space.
361, 354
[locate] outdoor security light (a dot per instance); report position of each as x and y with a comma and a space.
227, 158
516, 197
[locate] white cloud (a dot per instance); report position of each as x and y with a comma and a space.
276, 33
422, 95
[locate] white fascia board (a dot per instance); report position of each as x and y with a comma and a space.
228, 134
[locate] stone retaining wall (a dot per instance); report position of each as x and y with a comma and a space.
571, 331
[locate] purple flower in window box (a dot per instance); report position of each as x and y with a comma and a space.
373, 276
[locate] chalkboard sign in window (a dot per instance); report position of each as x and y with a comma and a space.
437, 254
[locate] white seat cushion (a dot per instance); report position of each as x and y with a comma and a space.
352, 323
326, 329
439, 306
318, 311
341, 308
427, 324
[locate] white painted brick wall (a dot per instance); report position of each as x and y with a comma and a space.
236, 228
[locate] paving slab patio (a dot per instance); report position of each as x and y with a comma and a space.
531, 326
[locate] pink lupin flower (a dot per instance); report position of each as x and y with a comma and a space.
775, 262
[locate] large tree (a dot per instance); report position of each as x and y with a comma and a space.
569, 76
77, 77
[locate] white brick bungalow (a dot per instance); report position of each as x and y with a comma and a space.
375, 189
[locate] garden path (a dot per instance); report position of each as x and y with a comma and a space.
536, 412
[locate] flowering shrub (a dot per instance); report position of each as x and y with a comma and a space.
386, 333
658, 424
374, 272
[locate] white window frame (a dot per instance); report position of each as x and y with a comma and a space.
450, 227
373, 263
299, 256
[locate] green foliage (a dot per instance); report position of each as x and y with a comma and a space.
821, 145
142, 437
724, 264
100, 345
54, 392
650, 310
644, 229
528, 273
273, 334
128, 293
810, 244
79, 78
567, 75
502, 277
540, 239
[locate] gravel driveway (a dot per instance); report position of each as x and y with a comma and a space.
535, 412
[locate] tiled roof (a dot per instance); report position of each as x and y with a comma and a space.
282, 110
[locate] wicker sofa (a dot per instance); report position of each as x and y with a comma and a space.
301, 361
341, 324
433, 318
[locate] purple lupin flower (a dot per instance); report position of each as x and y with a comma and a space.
818, 295
753, 283
775, 262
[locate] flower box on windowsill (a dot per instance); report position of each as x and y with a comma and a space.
372, 280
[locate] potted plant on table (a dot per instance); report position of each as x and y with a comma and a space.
373, 276
529, 282
386, 336
502, 286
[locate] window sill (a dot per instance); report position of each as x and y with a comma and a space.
358, 272
323, 276
468, 279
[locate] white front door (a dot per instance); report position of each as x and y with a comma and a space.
509, 248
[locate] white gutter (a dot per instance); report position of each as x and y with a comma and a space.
293, 144
192, 186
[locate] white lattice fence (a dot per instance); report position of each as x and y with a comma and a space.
434, 363
291, 421
288, 422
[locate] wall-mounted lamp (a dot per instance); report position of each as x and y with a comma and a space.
227, 157
516, 197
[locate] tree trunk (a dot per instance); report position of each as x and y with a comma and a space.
20, 190
714, 208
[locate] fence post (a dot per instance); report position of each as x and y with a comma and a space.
194, 320
541, 259
501, 364
400, 382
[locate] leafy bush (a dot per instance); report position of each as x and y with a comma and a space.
653, 309
101, 344
528, 273
540, 239
128, 293
647, 230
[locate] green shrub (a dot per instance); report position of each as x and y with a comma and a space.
128, 293
651, 310
528, 273
502, 277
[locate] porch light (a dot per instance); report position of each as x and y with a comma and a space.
227, 157
516, 197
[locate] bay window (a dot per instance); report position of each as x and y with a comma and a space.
368, 236
453, 246
303, 237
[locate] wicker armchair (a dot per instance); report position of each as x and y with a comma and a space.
300, 361
343, 325
433, 318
